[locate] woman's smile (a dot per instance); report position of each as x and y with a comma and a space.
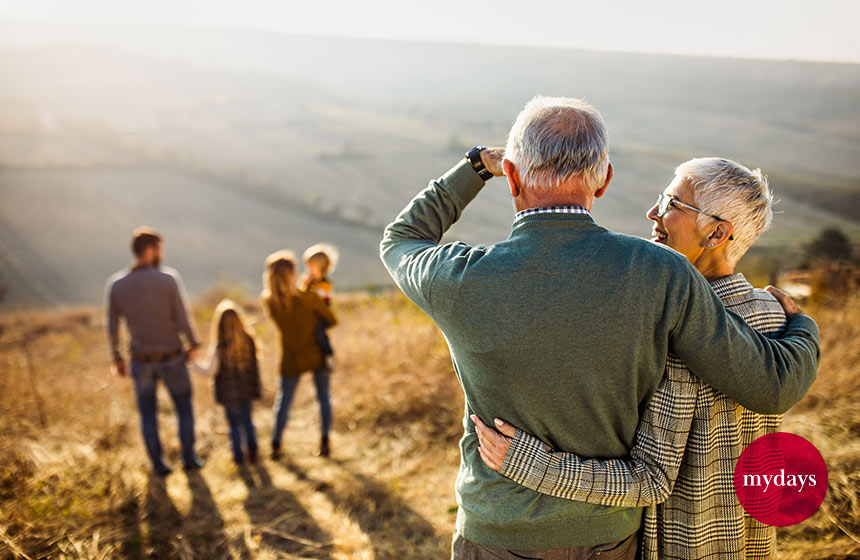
678, 227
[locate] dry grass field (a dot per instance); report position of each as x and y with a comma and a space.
76, 484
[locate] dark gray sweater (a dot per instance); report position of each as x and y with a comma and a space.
563, 330
153, 304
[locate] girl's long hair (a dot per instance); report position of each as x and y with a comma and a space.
279, 280
231, 336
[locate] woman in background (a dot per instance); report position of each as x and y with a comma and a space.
296, 314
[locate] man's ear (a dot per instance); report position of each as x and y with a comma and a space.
721, 233
610, 173
512, 176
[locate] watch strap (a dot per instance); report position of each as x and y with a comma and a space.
473, 156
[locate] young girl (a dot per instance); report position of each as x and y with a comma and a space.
233, 358
320, 261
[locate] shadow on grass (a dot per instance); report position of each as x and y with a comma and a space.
162, 522
127, 516
279, 520
163, 532
205, 526
394, 529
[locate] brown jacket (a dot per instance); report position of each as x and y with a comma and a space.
299, 349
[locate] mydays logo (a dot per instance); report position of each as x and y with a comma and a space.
781, 479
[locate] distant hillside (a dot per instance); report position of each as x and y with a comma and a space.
236, 142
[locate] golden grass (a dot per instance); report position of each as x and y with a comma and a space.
79, 486
75, 483
829, 417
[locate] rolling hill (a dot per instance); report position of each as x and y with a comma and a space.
236, 142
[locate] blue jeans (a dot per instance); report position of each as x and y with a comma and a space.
285, 398
322, 340
239, 418
174, 374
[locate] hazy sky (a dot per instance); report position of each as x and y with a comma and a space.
805, 29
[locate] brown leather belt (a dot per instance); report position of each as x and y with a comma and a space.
156, 357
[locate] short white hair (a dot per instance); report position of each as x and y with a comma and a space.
737, 195
555, 139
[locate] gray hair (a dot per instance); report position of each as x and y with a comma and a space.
555, 139
734, 193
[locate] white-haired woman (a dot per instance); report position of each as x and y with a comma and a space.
690, 436
296, 315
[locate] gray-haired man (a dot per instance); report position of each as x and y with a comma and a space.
563, 329
151, 300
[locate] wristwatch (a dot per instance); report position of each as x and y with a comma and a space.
473, 156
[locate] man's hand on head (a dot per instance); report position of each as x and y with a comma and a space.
492, 159
785, 301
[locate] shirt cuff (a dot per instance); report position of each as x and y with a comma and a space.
526, 461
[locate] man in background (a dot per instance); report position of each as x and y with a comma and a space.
151, 299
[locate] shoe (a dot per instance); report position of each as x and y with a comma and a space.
276, 451
253, 456
162, 470
239, 461
196, 464
325, 449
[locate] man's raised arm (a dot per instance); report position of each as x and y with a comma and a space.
409, 247
765, 375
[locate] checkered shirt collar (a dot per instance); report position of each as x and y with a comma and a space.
571, 209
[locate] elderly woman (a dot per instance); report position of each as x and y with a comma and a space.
690, 436
296, 314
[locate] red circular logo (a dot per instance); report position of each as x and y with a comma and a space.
781, 479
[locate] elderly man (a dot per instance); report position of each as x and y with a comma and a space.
563, 329
151, 300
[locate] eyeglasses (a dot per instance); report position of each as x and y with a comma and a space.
664, 201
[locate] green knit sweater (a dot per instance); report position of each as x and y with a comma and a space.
563, 330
